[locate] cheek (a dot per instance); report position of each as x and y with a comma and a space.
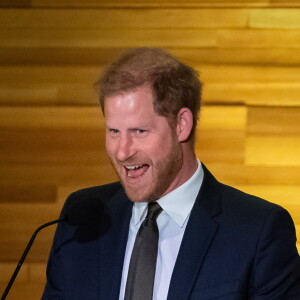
159, 148
110, 146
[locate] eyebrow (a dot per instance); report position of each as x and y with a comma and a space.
133, 127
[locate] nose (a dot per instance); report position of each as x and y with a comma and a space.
125, 148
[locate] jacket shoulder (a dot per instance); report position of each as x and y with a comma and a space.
238, 199
234, 202
103, 191
104, 195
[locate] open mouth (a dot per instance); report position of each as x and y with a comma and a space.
136, 171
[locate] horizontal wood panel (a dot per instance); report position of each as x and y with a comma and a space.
13, 249
86, 75
97, 55
67, 55
19, 222
112, 18
273, 121
241, 174
15, 3
26, 193
143, 3
282, 3
12, 213
92, 38
31, 75
51, 117
225, 117
284, 195
273, 151
7, 269
258, 38
212, 146
273, 136
175, 3
35, 272
83, 175
48, 95
69, 174
246, 74
274, 18
272, 94
28, 290
236, 92
53, 146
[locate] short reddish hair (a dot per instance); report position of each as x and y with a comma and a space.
175, 85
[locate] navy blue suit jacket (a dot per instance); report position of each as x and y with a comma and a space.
235, 247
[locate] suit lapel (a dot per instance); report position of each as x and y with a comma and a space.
112, 247
199, 233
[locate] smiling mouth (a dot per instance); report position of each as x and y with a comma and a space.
135, 172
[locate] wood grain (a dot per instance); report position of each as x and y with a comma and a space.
129, 18
52, 130
272, 18
273, 136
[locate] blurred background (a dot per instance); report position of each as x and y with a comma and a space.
51, 128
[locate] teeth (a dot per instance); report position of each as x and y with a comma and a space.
133, 167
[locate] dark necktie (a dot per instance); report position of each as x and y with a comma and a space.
140, 280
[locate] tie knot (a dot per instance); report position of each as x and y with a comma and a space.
154, 210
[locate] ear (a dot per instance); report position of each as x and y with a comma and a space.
184, 124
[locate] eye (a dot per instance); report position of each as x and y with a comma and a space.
141, 131
113, 131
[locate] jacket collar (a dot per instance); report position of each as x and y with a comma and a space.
199, 233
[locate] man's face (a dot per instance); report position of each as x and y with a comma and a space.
142, 146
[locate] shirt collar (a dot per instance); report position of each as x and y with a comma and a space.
178, 203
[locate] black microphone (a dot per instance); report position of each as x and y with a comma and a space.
78, 213
20, 263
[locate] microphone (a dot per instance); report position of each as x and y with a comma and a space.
78, 213
20, 263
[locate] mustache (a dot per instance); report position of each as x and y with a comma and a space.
131, 161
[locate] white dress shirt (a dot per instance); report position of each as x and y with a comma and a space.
171, 222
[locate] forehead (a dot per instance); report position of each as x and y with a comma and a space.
133, 109
137, 101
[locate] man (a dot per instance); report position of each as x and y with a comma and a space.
214, 242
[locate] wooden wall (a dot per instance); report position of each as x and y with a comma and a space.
51, 129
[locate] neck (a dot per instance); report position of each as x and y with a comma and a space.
189, 167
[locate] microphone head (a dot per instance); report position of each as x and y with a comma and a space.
89, 216
83, 211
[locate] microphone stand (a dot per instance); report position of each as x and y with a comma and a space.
14, 275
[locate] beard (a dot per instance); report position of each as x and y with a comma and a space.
163, 173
